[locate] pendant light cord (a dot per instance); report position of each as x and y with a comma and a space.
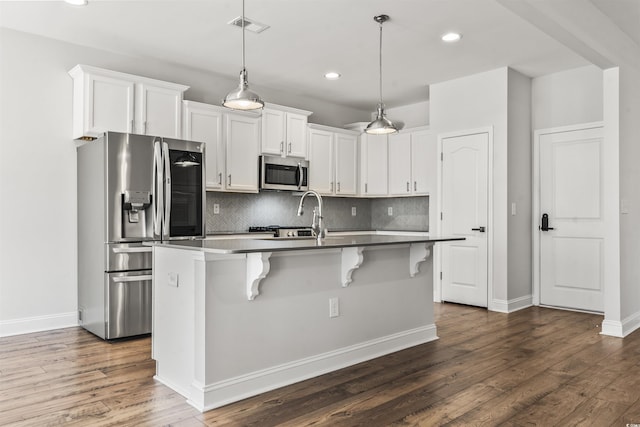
380, 63
243, 65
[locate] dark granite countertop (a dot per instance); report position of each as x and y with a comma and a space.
243, 246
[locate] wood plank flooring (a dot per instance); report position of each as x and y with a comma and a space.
535, 367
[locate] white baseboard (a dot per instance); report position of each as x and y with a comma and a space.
205, 397
511, 305
38, 324
622, 328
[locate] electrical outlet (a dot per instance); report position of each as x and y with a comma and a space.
353, 211
390, 211
334, 307
216, 209
172, 279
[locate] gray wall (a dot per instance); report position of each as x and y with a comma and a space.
239, 211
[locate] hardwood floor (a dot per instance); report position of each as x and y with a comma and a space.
534, 367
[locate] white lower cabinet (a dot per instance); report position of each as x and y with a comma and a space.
232, 141
332, 161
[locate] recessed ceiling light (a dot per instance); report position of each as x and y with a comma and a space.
451, 37
77, 2
332, 75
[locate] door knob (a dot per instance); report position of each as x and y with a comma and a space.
545, 223
480, 229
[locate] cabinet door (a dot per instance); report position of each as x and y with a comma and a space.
424, 156
400, 164
374, 165
346, 166
109, 105
158, 111
321, 161
273, 132
242, 142
296, 135
203, 123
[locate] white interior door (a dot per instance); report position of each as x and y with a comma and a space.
571, 195
464, 214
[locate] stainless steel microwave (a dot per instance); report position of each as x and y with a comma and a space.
278, 173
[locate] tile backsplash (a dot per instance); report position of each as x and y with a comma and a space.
239, 211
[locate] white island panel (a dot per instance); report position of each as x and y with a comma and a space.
215, 346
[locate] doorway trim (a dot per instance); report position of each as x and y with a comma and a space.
537, 135
437, 258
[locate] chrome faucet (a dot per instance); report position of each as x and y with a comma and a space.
317, 225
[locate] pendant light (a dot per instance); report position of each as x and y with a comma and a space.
243, 98
381, 125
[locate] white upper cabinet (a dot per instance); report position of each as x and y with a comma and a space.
400, 182
158, 110
333, 155
284, 131
373, 165
424, 158
105, 100
321, 164
203, 123
242, 151
346, 166
412, 162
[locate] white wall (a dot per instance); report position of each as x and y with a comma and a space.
38, 167
411, 116
474, 102
519, 187
629, 146
567, 98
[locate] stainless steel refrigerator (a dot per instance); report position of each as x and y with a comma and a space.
131, 189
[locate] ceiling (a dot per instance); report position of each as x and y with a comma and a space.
307, 38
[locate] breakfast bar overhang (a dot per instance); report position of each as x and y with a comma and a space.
235, 318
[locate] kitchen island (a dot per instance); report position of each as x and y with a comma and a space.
238, 317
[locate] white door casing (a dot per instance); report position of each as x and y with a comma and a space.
571, 192
464, 207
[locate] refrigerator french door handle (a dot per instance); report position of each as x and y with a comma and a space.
158, 200
167, 190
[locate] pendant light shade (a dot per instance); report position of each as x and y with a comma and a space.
243, 98
381, 125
